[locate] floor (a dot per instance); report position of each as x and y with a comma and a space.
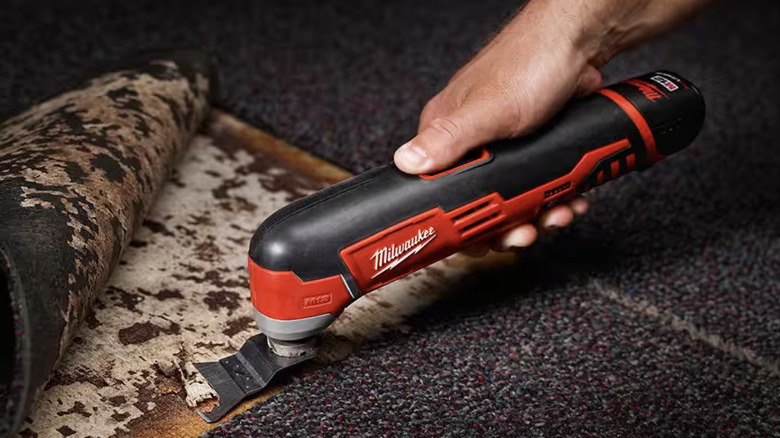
179, 294
657, 314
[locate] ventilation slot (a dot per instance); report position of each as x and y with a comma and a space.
470, 211
480, 222
478, 218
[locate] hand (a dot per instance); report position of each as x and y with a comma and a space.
550, 52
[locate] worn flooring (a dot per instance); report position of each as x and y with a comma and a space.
180, 294
656, 314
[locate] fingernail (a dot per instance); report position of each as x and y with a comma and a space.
518, 238
557, 219
580, 206
515, 242
548, 224
412, 156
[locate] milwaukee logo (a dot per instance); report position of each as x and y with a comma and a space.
391, 256
650, 91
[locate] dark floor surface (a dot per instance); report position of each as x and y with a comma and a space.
657, 314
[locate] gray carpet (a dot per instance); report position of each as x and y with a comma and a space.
345, 79
656, 315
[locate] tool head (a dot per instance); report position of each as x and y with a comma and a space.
298, 348
250, 370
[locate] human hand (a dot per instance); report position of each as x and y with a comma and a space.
550, 52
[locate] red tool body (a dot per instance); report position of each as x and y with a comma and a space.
311, 259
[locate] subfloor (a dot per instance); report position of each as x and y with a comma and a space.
657, 314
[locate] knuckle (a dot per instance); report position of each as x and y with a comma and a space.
447, 126
511, 104
429, 112
433, 104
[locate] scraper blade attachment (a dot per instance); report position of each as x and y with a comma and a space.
244, 374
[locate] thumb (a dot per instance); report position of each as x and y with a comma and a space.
446, 139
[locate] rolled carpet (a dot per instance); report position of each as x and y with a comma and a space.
77, 173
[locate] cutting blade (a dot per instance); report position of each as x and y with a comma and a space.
244, 374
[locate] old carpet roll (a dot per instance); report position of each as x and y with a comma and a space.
77, 174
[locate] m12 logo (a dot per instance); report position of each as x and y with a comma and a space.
650, 91
664, 82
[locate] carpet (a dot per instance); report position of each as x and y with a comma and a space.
77, 174
656, 314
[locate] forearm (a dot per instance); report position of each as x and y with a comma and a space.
600, 29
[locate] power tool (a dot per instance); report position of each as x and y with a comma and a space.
311, 259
